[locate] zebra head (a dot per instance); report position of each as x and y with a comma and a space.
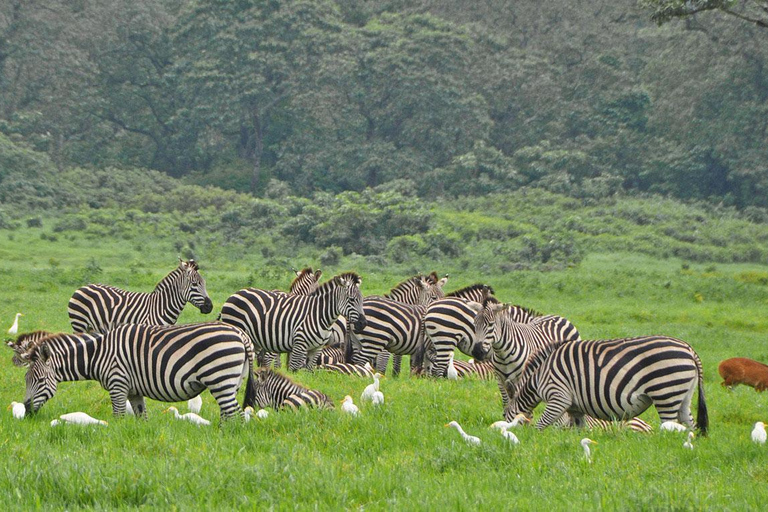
194, 286
41, 378
305, 282
486, 323
261, 388
475, 346
352, 300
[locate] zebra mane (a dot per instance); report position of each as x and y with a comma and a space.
301, 274
468, 289
408, 282
333, 283
189, 264
528, 311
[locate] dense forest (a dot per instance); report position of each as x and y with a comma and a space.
583, 98
516, 131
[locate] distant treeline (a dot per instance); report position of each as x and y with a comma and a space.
588, 99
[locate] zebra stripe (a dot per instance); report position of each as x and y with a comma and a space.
513, 342
24, 344
483, 370
278, 322
392, 326
169, 364
329, 355
349, 369
449, 323
99, 308
275, 390
612, 380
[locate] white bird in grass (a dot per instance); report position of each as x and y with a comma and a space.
672, 426
262, 413
370, 389
348, 407
758, 433
77, 418
517, 420
451, 372
689, 443
378, 398
474, 441
587, 452
250, 413
19, 411
15, 327
190, 416
195, 404
510, 436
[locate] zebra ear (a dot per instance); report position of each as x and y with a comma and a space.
475, 306
318, 273
442, 281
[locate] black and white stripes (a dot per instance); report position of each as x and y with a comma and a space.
99, 308
168, 364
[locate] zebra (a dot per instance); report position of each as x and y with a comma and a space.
349, 369
272, 389
395, 323
612, 380
449, 323
418, 291
23, 345
298, 324
512, 342
99, 308
165, 363
635, 424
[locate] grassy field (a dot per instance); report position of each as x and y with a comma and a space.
400, 456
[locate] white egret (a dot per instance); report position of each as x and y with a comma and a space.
80, 418
370, 389
248, 413
190, 416
378, 398
19, 411
474, 441
587, 452
262, 413
348, 407
451, 372
517, 420
15, 327
672, 426
689, 443
510, 436
758, 433
195, 404
129, 408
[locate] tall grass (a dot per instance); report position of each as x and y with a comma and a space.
400, 456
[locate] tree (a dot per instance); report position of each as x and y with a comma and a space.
751, 11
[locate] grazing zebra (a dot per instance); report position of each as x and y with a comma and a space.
483, 370
349, 369
23, 345
169, 364
513, 342
612, 380
272, 389
449, 323
298, 324
99, 308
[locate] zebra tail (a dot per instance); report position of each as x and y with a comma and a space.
250, 389
702, 417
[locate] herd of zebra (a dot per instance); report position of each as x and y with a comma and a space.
127, 341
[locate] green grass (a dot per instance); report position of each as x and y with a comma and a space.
402, 456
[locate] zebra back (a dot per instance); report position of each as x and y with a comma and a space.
348, 369
307, 399
99, 308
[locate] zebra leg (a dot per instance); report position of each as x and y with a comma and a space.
297, 358
556, 407
225, 395
118, 394
312, 357
397, 361
503, 389
382, 360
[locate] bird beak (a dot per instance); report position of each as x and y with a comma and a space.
446, 425
166, 410
8, 408
594, 442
